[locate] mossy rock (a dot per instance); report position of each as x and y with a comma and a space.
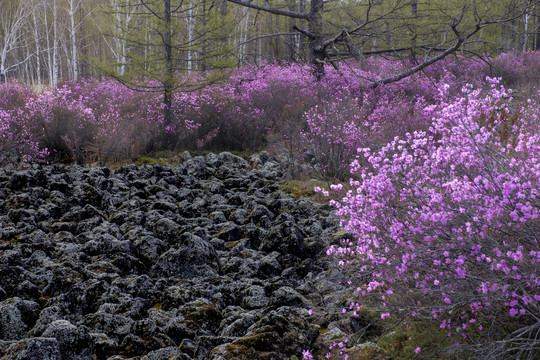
402, 342
340, 235
263, 340
363, 329
241, 352
302, 188
205, 314
280, 334
367, 351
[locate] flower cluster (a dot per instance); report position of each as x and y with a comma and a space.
18, 140
446, 220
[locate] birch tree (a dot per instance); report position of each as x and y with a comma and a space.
52, 39
73, 7
13, 20
37, 42
123, 12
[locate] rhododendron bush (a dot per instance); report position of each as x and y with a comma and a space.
518, 69
277, 106
100, 119
337, 126
446, 224
85, 121
18, 140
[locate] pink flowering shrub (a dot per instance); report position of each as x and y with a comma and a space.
124, 122
268, 101
18, 134
206, 108
267, 107
67, 124
335, 129
446, 222
518, 69
96, 121
341, 123
271, 105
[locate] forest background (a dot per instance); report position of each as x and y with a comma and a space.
43, 42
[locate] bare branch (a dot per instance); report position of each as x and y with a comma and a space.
288, 13
151, 10
266, 36
456, 46
341, 36
304, 32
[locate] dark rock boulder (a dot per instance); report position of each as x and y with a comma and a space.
285, 236
17, 316
40, 348
18, 181
73, 342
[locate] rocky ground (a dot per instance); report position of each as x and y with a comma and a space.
206, 260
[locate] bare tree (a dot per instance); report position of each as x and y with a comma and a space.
530, 27
159, 42
371, 22
115, 33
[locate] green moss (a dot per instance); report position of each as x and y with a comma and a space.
367, 351
205, 315
169, 157
203, 152
260, 341
240, 352
306, 188
401, 343
302, 188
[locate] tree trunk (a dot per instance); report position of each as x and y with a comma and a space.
301, 41
168, 84
244, 28
204, 46
74, 50
3, 56
191, 33
38, 50
526, 18
317, 52
293, 39
48, 42
54, 70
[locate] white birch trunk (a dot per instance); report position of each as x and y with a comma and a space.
244, 29
48, 42
124, 12
54, 70
190, 26
526, 18
73, 32
38, 51
12, 23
